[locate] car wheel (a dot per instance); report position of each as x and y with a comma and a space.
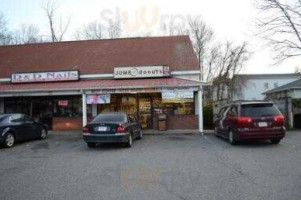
275, 141
130, 141
140, 135
43, 134
9, 140
232, 139
91, 144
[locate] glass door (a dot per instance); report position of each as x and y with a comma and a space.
145, 112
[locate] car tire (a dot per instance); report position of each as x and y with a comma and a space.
275, 141
91, 144
130, 141
140, 135
43, 134
9, 140
231, 138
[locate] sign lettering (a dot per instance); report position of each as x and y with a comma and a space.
45, 77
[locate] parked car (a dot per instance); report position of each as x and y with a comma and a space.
112, 128
19, 127
246, 120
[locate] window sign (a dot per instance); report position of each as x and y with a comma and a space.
63, 103
98, 99
177, 96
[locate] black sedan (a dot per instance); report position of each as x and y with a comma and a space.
112, 128
19, 127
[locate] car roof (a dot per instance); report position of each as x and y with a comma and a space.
248, 102
113, 113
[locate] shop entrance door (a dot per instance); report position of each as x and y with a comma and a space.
145, 112
42, 111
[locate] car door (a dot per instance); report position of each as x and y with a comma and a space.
218, 119
133, 125
231, 115
32, 128
17, 121
136, 126
224, 121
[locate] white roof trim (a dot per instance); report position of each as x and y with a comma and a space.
108, 76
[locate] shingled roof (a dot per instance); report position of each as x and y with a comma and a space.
98, 56
292, 85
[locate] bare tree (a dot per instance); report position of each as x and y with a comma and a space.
281, 26
26, 34
91, 31
57, 27
5, 35
114, 29
229, 61
201, 35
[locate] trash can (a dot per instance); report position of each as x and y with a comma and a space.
162, 122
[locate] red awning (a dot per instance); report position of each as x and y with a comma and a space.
99, 84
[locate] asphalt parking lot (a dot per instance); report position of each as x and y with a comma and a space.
156, 167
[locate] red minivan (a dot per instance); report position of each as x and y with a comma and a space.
246, 120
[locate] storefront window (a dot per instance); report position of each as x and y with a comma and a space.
17, 105
179, 108
67, 107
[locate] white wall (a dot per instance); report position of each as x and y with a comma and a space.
296, 94
253, 87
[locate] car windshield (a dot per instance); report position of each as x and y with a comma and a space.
110, 118
259, 110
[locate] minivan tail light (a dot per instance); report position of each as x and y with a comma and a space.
279, 118
120, 129
244, 120
86, 129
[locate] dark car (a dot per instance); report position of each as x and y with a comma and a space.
112, 128
19, 127
243, 120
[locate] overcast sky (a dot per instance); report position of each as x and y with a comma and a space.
231, 20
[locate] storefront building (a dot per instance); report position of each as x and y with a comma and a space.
66, 84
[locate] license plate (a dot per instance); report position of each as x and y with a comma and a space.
262, 124
101, 128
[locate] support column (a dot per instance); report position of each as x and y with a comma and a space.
200, 110
84, 102
94, 110
1, 105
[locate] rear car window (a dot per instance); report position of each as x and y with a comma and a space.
259, 110
110, 118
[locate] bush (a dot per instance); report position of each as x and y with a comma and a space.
208, 116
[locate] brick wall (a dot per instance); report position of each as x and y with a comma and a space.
68, 123
179, 122
173, 122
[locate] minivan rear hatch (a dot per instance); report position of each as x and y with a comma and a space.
263, 115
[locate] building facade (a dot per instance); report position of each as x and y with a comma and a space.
250, 87
66, 84
288, 99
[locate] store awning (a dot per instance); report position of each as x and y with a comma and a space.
103, 84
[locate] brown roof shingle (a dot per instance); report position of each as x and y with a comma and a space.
98, 56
